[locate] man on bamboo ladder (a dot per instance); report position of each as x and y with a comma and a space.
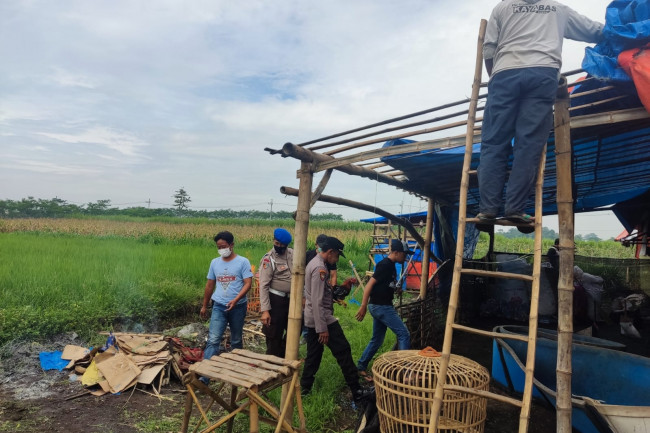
378, 298
323, 329
275, 287
523, 56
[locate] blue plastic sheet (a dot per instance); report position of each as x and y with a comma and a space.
52, 360
627, 25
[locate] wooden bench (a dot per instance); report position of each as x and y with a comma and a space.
256, 374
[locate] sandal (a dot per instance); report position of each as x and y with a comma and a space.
520, 218
365, 376
486, 217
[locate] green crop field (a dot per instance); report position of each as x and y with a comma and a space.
91, 274
86, 275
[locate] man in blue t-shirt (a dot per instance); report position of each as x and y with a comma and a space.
378, 298
229, 278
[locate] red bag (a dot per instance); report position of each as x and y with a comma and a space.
636, 63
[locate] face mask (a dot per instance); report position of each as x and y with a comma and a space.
279, 250
225, 252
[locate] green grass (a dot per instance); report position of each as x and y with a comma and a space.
53, 282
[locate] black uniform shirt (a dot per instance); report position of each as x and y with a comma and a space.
385, 273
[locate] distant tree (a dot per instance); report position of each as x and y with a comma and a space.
99, 207
181, 198
591, 237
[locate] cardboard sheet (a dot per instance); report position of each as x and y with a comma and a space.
150, 373
118, 370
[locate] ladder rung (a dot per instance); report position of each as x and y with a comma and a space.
496, 274
472, 172
486, 394
498, 222
490, 333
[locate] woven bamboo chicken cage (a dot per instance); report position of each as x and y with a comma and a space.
405, 383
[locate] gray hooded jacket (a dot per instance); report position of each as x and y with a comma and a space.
530, 33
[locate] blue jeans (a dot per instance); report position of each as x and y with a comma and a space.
218, 321
384, 317
519, 105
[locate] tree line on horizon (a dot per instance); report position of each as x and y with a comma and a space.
546, 234
31, 207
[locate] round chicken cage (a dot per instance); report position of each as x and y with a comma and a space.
405, 383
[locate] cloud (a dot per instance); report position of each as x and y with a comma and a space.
123, 143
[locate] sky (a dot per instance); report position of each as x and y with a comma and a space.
131, 100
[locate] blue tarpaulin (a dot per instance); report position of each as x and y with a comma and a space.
627, 25
52, 360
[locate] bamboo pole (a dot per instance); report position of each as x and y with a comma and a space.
397, 128
426, 251
402, 222
320, 188
460, 239
385, 122
418, 146
398, 136
563, 153
294, 327
524, 416
306, 155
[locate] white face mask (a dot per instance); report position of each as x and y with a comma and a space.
225, 252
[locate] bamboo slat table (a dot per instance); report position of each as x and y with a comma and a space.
256, 374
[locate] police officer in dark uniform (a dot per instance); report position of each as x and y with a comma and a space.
323, 329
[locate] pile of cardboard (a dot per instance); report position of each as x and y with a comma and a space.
127, 360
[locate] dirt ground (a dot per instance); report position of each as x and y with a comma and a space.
32, 400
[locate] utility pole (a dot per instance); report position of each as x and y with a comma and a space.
271, 211
149, 204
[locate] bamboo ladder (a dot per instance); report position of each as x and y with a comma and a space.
451, 325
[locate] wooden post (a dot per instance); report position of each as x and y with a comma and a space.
294, 327
426, 251
460, 238
565, 284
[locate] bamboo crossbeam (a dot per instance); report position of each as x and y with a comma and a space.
572, 72
610, 117
373, 166
591, 92
418, 146
597, 103
383, 131
395, 137
361, 206
385, 122
306, 155
485, 394
490, 334
496, 274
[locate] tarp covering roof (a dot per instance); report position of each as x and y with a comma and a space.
610, 165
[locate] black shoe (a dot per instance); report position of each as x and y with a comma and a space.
362, 395
304, 392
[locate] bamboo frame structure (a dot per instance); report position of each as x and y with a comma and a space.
358, 152
563, 157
